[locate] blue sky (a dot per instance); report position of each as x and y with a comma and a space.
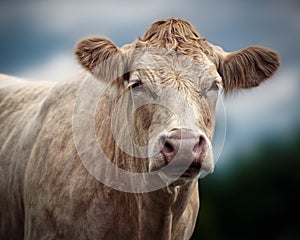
37, 40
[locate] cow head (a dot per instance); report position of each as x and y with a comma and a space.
172, 78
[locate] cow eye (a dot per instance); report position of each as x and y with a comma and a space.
135, 84
214, 90
214, 87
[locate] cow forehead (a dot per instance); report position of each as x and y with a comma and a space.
162, 65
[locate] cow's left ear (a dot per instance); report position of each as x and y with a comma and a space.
247, 68
101, 57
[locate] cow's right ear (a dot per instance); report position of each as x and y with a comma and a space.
101, 57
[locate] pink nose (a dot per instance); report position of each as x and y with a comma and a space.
190, 145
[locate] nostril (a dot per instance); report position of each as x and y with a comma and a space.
167, 148
165, 145
198, 147
201, 141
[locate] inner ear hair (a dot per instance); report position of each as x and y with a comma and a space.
248, 68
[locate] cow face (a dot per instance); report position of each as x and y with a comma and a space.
172, 78
174, 99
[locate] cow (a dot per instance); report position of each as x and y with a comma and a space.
116, 152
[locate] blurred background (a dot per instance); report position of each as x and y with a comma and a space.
254, 192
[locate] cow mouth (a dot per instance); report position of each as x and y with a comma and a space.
181, 171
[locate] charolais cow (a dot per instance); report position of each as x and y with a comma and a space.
116, 152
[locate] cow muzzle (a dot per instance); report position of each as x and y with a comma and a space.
182, 146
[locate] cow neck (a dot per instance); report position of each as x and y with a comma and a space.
160, 211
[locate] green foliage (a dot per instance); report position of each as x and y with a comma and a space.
258, 198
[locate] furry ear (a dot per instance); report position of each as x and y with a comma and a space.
101, 57
248, 68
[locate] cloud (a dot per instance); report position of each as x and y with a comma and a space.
59, 67
64, 16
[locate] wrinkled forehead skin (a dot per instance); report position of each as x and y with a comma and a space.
175, 69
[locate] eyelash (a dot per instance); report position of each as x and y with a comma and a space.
135, 84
